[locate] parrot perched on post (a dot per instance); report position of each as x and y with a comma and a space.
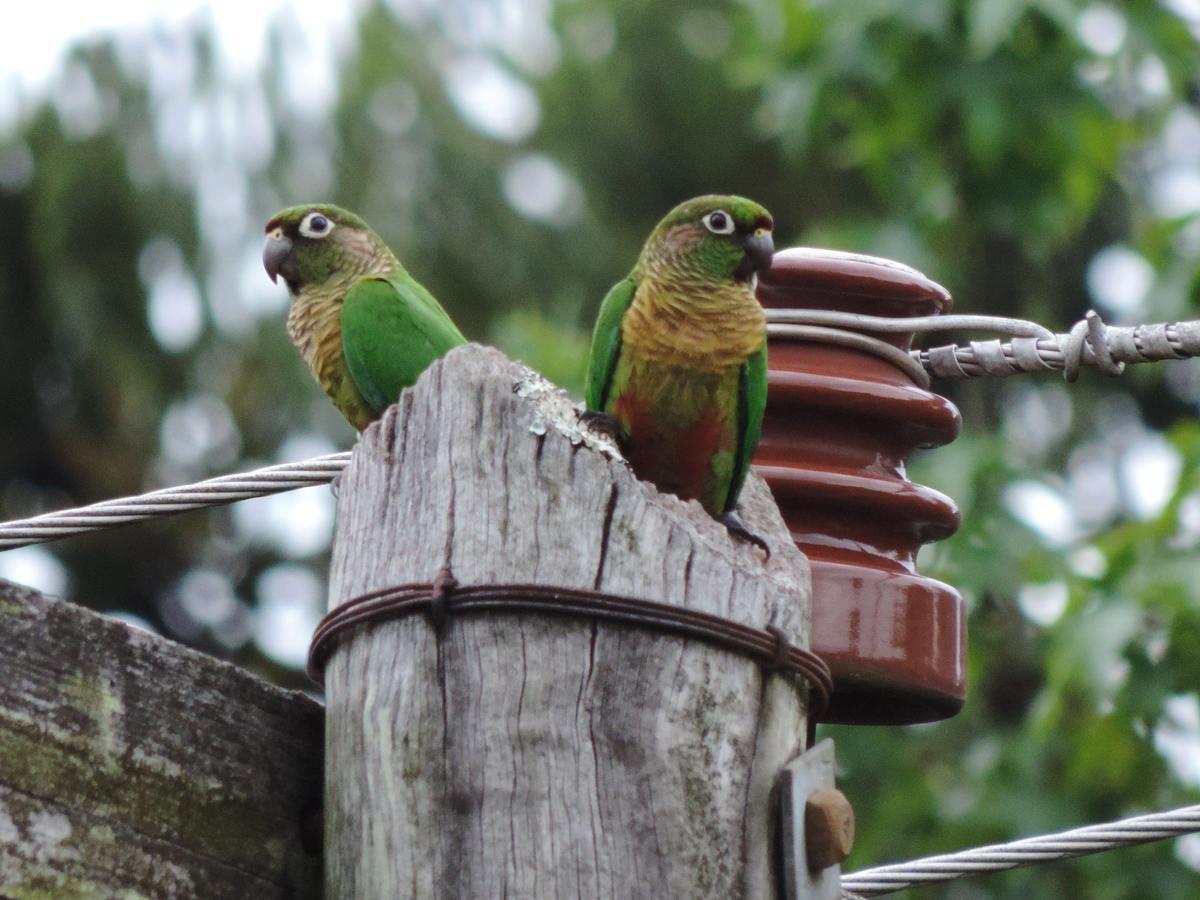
363, 325
678, 362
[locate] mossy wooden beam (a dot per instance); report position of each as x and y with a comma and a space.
534, 756
133, 767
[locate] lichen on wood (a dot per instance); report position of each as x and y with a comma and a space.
133, 767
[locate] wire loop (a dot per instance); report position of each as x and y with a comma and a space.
769, 647
1032, 348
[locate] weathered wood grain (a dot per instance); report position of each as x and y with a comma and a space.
526, 756
133, 767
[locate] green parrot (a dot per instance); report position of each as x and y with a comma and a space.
678, 363
364, 326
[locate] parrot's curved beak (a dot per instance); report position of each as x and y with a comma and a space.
760, 249
276, 253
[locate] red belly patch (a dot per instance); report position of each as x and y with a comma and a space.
676, 459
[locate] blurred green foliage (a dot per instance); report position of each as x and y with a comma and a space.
515, 160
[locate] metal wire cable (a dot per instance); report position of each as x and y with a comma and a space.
1090, 342
168, 501
1033, 348
1024, 852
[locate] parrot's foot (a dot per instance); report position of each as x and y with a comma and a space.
738, 529
335, 485
602, 422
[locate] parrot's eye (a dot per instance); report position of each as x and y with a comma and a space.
718, 222
315, 225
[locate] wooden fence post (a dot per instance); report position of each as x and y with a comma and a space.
131, 766
532, 756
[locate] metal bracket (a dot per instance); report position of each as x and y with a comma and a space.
816, 826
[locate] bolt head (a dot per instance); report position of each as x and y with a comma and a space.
828, 828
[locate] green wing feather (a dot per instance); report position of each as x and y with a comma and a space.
752, 402
606, 343
392, 329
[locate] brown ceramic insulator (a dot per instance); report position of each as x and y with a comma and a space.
839, 426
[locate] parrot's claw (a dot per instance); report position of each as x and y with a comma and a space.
603, 423
335, 485
738, 529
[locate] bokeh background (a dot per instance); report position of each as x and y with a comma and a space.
1038, 157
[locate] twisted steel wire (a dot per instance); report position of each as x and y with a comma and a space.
168, 501
1025, 852
1033, 348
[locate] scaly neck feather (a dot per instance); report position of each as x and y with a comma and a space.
682, 318
314, 317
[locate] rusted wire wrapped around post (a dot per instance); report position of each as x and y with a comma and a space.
444, 598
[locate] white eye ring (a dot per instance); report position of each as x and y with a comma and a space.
316, 225
719, 222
